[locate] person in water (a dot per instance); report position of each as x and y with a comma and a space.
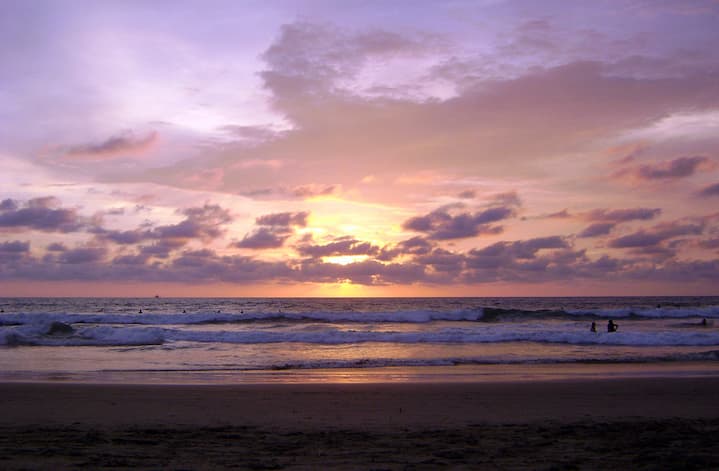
593, 328
611, 326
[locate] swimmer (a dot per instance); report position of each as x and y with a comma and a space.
593, 328
611, 326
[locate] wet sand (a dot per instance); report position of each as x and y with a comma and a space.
643, 423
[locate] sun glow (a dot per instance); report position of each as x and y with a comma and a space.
344, 259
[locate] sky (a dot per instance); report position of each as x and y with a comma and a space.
359, 148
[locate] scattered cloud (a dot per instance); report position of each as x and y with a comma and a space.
681, 167
283, 219
709, 191
42, 214
264, 238
123, 145
623, 215
597, 229
656, 235
441, 224
275, 229
340, 246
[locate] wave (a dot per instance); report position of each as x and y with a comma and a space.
486, 314
112, 335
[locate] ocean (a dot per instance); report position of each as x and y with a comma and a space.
246, 340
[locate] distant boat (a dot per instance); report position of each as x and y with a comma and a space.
157, 296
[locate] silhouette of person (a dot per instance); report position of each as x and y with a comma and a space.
611, 326
704, 322
593, 328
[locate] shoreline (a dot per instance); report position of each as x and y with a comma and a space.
467, 373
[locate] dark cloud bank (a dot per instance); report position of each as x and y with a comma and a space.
168, 253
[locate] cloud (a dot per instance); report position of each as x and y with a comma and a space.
537, 260
283, 219
340, 246
117, 146
563, 214
56, 247
15, 246
204, 223
413, 246
133, 236
681, 167
298, 192
443, 261
276, 229
655, 236
623, 215
161, 248
12, 252
709, 191
8, 205
40, 214
308, 58
598, 229
525, 249
441, 225
264, 238
82, 255
134, 259
608, 219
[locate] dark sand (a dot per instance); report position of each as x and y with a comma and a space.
645, 423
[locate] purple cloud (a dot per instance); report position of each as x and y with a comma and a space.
441, 225
525, 249
275, 229
117, 146
264, 238
711, 190
655, 236
341, 246
134, 259
161, 248
623, 215
40, 214
414, 246
203, 222
598, 229
563, 214
15, 246
608, 219
82, 255
283, 219
677, 168
8, 205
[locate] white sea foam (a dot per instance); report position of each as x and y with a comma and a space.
409, 316
103, 335
212, 317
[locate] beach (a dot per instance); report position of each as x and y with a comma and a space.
602, 423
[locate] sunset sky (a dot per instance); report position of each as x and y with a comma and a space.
359, 148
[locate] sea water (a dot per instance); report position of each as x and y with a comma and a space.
229, 340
